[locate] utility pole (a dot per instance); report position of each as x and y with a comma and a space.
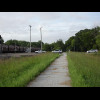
74, 46
0, 39
41, 37
0, 44
30, 37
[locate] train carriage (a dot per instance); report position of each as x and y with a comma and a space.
22, 49
16, 48
4, 48
25, 48
0, 48
11, 49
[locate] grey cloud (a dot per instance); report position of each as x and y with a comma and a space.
15, 25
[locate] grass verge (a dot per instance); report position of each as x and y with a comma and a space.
18, 72
84, 69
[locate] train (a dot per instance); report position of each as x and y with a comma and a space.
15, 49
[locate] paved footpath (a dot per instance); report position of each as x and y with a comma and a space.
56, 75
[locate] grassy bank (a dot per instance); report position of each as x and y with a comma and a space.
84, 69
17, 72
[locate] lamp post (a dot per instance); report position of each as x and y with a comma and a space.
41, 37
0, 44
30, 37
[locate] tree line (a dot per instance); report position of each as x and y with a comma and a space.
46, 46
82, 41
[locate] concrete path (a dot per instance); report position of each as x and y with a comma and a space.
56, 75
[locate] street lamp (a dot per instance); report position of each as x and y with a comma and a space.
30, 37
41, 37
0, 44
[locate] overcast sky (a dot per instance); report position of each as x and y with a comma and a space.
56, 25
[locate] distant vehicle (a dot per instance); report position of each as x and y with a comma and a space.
57, 51
92, 51
40, 51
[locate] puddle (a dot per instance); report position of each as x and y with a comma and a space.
55, 72
54, 69
66, 83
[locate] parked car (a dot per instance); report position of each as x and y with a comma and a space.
92, 51
40, 51
57, 51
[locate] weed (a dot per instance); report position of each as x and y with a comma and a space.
84, 69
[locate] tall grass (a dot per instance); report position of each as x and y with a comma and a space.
17, 72
84, 69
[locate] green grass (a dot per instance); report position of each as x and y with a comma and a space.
18, 72
84, 69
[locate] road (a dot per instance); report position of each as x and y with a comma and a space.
56, 75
